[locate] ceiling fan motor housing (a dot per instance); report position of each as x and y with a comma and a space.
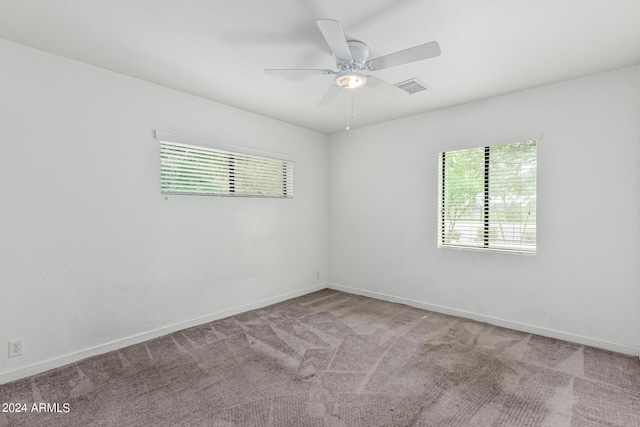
359, 53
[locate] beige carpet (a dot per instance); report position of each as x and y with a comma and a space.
335, 359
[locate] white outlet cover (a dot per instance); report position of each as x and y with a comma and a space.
15, 347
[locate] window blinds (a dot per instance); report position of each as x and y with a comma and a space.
487, 197
191, 169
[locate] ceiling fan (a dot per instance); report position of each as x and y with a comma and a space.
352, 62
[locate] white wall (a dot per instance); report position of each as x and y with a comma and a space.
92, 257
582, 285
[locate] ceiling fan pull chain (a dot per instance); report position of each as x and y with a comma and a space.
352, 102
349, 113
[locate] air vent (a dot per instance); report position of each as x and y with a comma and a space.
412, 86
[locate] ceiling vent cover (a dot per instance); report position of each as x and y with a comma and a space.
412, 86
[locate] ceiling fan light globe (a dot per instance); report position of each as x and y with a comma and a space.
351, 80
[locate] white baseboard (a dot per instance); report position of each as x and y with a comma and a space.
66, 359
523, 327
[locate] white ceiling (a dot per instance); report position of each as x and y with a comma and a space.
217, 49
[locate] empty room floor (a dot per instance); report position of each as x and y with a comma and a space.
336, 359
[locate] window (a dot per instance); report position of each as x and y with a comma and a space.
487, 197
186, 168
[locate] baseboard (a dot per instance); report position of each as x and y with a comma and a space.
523, 327
66, 359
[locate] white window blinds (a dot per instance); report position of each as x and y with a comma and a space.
487, 197
199, 170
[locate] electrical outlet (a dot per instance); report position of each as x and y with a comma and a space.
318, 275
15, 347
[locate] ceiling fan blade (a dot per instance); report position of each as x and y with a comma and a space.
273, 71
413, 54
333, 34
331, 94
385, 87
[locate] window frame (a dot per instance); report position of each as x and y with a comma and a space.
486, 221
234, 155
